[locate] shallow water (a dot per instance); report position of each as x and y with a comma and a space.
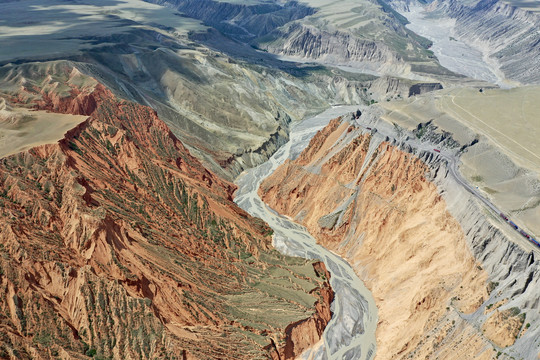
351, 332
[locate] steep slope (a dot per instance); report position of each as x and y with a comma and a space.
118, 243
423, 256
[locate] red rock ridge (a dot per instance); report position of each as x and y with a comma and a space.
305, 333
118, 242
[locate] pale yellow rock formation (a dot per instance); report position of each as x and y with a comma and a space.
375, 207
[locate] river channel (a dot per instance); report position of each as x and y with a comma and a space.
452, 52
351, 332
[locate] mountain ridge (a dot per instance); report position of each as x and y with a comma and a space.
117, 215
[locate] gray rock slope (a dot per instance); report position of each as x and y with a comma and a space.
515, 270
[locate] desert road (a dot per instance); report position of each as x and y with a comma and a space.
453, 159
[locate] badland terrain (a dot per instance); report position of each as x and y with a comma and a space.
168, 189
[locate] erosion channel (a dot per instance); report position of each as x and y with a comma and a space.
351, 332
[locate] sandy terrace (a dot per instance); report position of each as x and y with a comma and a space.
22, 129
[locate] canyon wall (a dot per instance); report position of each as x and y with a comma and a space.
447, 282
335, 47
118, 243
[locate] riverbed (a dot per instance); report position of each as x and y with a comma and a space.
351, 332
453, 53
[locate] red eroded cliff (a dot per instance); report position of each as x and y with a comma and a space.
117, 243
305, 333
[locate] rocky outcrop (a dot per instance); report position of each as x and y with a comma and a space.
386, 87
422, 88
118, 243
432, 262
305, 333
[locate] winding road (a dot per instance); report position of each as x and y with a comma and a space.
452, 167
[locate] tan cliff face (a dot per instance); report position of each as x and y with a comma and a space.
371, 203
116, 242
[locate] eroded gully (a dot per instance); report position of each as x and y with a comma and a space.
351, 332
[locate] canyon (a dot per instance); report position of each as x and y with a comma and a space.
487, 39
268, 179
351, 333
